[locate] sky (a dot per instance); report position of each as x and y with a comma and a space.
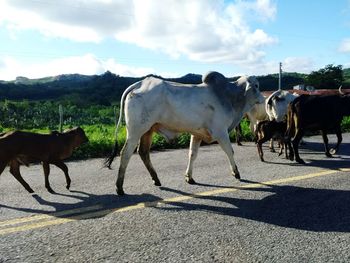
171, 38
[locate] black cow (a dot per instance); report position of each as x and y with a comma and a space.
266, 130
314, 112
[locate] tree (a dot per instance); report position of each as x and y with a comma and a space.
330, 77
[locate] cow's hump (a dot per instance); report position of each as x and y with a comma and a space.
214, 78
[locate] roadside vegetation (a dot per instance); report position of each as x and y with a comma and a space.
98, 122
93, 103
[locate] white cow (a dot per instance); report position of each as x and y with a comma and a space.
257, 114
207, 111
277, 104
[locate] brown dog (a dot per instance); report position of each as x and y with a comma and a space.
18, 147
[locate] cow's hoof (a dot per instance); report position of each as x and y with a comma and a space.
51, 191
120, 192
30, 191
272, 150
237, 175
332, 151
157, 182
68, 186
190, 180
301, 161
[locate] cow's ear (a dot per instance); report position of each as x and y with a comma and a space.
214, 78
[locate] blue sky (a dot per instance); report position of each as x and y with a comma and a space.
171, 38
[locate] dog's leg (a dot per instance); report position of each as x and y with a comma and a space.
14, 170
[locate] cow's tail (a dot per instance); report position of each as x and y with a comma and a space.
108, 161
290, 122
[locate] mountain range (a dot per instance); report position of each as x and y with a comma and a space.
107, 88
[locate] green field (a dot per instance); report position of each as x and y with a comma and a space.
97, 121
102, 139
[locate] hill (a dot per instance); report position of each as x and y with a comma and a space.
107, 88
346, 74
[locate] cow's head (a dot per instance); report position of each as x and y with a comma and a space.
252, 92
78, 134
277, 104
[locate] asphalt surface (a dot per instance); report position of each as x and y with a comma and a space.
279, 212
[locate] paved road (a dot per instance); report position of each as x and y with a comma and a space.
279, 212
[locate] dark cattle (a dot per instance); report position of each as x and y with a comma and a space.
18, 147
315, 113
267, 130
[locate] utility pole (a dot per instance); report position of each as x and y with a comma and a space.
60, 111
280, 76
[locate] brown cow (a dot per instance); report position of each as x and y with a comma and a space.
266, 130
18, 147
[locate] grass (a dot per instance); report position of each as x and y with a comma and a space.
102, 139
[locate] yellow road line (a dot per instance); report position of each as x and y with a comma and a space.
51, 219
49, 216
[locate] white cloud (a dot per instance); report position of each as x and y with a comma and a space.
83, 21
298, 64
262, 10
205, 31
289, 64
344, 46
87, 65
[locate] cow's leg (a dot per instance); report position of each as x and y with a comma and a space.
339, 140
325, 143
224, 141
125, 155
286, 149
238, 130
298, 136
64, 168
259, 144
272, 148
46, 167
290, 149
144, 150
260, 150
2, 166
14, 170
281, 148
192, 155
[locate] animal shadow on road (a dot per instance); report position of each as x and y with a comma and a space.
340, 160
101, 205
319, 210
318, 147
